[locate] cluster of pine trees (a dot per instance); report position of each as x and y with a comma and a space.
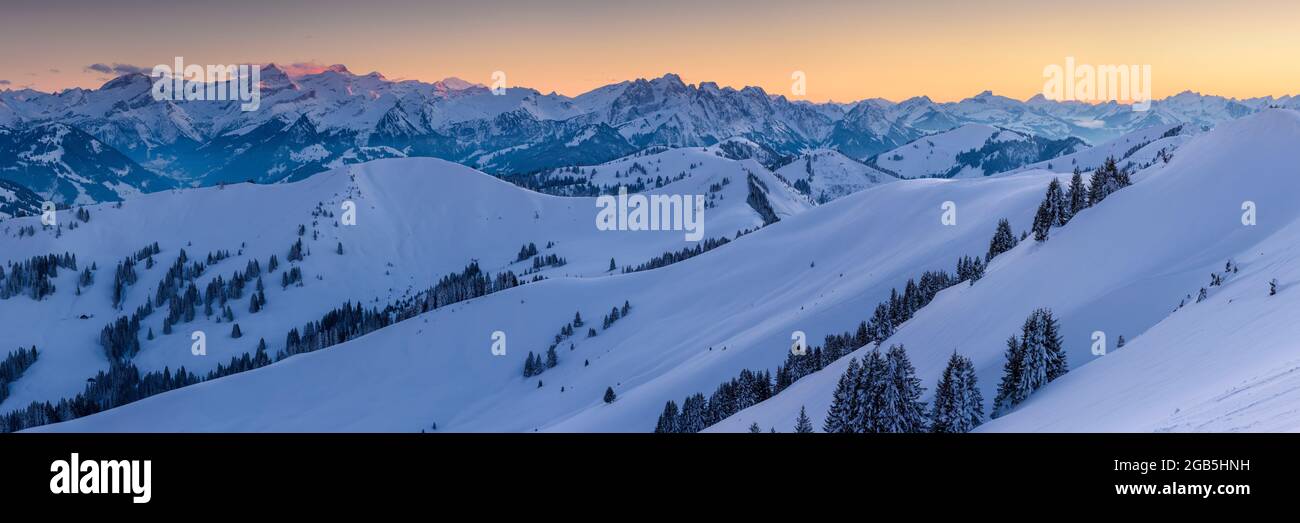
293, 276
527, 251
757, 200
970, 268
549, 260
123, 276
121, 339
34, 276
296, 250
336, 326
535, 364
881, 395
817, 358
1060, 206
669, 258
1033, 360
469, 283
13, 367
121, 384
1003, 240
615, 314
888, 316
698, 413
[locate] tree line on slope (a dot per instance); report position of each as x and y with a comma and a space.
1032, 360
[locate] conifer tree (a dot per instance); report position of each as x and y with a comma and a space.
1042, 222
530, 365
1003, 240
1037, 359
609, 395
802, 424
1077, 195
902, 410
958, 406
1056, 201
552, 359
842, 414
1008, 391
868, 393
668, 420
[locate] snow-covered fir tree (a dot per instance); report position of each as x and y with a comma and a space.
958, 406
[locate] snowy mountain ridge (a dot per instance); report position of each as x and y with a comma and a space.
313, 121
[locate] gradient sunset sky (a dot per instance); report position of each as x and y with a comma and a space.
849, 50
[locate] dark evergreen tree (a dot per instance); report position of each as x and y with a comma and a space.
609, 395
802, 424
1042, 222
958, 406
552, 359
1009, 393
530, 365
842, 415
1037, 359
1057, 201
868, 393
1077, 195
1003, 240
901, 408
668, 421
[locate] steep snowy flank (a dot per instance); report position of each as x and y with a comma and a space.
825, 174
417, 221
971, 150
691, 325
16, 200
936, 155
72, 167
1122, 268
1136, 150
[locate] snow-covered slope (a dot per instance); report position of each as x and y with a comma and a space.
16, 200
1122, 268
969, 151
1134, 151
417, 221
1119, 267
72, 167
692, 324
936, 155
826, 174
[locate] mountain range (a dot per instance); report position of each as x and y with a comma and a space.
86, 145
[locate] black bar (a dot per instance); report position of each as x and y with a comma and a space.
469, 470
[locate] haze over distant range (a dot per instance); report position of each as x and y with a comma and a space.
848, 50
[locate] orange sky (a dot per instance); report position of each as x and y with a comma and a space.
849, 50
